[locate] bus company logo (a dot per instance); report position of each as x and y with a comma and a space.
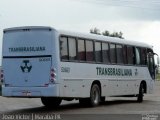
26, 66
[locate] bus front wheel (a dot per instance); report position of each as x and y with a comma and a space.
141, 93
51, 101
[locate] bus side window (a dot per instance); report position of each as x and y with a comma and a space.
143, 56
125, 54
138, 56
72, 49
89, 51
105, 53
64, 48
81, 50
130, 55
119, 53
113, 53
98, 52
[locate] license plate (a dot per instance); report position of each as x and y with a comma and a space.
26, 93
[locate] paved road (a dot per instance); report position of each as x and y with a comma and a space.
113, 108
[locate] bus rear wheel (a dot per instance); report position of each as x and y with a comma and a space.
94, 98
51, 102
95, 95
141, 93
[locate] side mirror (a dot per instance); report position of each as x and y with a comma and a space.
158, 61
157, 66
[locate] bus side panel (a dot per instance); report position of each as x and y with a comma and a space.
78, 77
75, 88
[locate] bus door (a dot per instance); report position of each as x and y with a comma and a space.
151, 66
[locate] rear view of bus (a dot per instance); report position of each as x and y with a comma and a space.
27, 66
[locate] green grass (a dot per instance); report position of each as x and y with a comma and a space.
158, 76
0, 90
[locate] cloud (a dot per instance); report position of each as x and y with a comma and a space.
138, 20
150, 34
143, 31
147, 10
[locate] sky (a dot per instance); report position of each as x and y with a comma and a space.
138, 20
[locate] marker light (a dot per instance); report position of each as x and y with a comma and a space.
2, 76
52, 75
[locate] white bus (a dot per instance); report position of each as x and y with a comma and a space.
59, 65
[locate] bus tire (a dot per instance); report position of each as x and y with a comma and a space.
141, 93
94, 98
95, 95
51, 102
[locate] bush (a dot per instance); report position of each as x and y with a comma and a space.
158, 76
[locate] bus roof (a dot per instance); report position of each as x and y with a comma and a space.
85, 36
104, 38
28, 27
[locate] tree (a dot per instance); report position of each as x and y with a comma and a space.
107, 33
117, 34
120, 35
95, 31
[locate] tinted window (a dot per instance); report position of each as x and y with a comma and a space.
130, 55
105, 52
81, 50
113, 53
119, 52
143, 56
125, 54
98, 52
89, 51
72, 48
64, 48
138, 58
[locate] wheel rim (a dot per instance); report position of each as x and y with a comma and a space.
95, 95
